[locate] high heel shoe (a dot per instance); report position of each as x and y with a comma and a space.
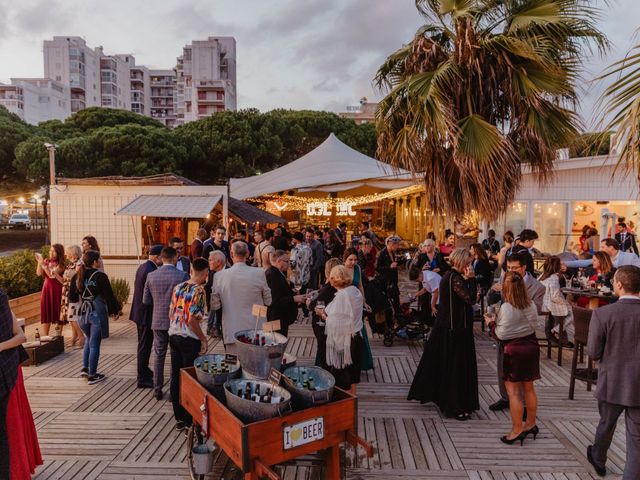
533, 431
520, 437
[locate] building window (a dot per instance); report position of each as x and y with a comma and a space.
550, 220
516, 217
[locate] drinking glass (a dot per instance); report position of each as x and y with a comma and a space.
320, 306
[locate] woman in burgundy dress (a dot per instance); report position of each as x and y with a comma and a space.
19, 449
514, 327
52, 269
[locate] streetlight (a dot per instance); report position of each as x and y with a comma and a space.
51, 147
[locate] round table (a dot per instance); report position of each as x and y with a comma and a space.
594, 296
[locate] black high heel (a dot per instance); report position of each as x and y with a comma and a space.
520, 437
533, 431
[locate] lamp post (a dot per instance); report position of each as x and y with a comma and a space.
36, 198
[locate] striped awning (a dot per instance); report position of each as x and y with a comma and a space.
174, 206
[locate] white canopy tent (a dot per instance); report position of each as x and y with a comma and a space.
330, 167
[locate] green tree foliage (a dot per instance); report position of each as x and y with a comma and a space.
243, 143
590, 144
13, 131
100, 141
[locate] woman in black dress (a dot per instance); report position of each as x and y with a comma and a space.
447, 374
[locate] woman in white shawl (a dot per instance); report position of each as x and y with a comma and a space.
343, 317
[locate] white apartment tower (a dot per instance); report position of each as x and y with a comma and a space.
70, 61
206, 79
163, 96
115, 84
140, 86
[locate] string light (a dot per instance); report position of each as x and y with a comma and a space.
296, 203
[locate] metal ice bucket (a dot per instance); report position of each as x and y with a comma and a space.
210, 380
258, 360
249, 411
303, 398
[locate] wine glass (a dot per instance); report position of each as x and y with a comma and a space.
297, 286
320, 306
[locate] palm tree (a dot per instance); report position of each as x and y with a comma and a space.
484, 87
620, 108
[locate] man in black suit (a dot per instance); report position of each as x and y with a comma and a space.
182, 263
614, 336
141, 315
284, 302
626, 239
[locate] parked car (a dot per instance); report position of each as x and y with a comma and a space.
20, 220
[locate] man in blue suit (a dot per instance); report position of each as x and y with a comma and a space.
141, 316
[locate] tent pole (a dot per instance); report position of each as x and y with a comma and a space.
225, 210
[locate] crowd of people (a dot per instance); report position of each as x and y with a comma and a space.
181, 302
504, 278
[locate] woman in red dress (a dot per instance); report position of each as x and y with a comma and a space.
19, 449
52, 269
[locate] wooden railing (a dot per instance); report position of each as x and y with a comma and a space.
27, 307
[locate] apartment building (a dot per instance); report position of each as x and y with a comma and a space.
206, 79
35, 100
70, 61
115, 82
140, 86
202, 83
162, 94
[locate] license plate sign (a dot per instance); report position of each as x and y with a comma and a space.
303, 432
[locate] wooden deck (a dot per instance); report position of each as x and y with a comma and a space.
113, 430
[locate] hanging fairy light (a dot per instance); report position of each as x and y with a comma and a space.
343, 204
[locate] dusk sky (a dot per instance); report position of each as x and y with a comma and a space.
316, 54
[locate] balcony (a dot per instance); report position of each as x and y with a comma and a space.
108, 64
137, 96
211, 97
77, 105
212, 85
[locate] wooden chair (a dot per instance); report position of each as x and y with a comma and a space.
560, 321
581, 319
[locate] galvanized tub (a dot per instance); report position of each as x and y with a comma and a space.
249, 411
256, 360
303, 398
214, 381
288, 361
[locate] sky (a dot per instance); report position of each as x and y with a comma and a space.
299, 54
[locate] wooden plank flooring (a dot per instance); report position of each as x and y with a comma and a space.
113, 430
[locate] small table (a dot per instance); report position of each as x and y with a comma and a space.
43, 352
593, 295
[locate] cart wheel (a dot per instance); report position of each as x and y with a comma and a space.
192, 439
388, 341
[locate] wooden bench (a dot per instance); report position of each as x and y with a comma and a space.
27, 307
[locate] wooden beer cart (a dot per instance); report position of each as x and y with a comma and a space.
255, 447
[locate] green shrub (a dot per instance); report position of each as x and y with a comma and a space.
18, 273
120, 289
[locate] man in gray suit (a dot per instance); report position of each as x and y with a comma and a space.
158, 290
614, 342
236, 290
516, 262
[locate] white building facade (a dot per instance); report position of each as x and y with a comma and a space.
206, 79
162, 96
70, 61
36, 100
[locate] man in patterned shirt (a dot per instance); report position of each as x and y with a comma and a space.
301, 260
186, 338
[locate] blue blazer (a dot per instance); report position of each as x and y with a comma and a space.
141, 313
